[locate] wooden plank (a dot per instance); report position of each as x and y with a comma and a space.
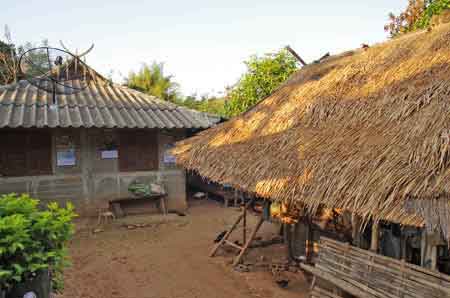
230, 243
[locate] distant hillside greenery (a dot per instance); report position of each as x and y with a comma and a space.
417, 15
263, 75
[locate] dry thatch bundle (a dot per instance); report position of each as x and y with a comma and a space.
361, 131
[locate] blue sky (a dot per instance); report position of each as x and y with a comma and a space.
203, 43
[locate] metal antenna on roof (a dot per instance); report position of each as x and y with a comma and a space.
76, 52
55, 71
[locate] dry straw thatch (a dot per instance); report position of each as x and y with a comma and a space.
364, 131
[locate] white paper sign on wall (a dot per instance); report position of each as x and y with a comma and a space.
66, 158
110, 154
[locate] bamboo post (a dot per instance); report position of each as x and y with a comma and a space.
310, 242
244, 230
423, 247
374, 243
355, 230
249, 240
216, 247
433, 252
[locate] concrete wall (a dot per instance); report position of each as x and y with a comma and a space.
93, 180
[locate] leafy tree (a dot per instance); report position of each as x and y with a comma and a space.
10, 55
207, 104
417, 15
7, 66
151, 79
264, 74
8, 61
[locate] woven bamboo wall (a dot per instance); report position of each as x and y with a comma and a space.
365, 274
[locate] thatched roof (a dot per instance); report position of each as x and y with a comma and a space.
363, 131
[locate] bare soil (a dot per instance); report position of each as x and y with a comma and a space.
168, 258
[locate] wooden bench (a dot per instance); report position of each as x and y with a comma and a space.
117, 204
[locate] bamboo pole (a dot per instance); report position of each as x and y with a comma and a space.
374, 242
249, 240
433, 252
244, 230
356, 237
216, 247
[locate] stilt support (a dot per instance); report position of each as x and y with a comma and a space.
246, 240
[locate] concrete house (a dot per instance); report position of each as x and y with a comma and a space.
91, 145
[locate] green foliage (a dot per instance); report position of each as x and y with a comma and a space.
417, 15
32, 239
206, 104
434, 8
151, 79
10, 55
263, 76
38, 57
7, 66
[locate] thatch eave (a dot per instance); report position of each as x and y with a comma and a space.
363, 131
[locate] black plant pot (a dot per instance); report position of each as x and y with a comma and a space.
40, 286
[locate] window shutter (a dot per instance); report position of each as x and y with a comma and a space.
25, 153
14, 158
138, 151
148, 150
39, 155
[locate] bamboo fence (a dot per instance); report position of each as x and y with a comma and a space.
365, 274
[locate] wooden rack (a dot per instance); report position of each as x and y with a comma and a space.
246, 241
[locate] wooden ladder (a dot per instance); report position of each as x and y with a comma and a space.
247, 241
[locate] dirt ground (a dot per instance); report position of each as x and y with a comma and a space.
169, 259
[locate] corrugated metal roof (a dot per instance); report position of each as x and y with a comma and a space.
101, 104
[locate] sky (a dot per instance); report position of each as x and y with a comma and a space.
203, 43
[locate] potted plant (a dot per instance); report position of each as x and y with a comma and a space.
32, 244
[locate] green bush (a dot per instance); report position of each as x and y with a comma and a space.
32, 239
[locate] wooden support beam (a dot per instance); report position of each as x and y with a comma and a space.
242, 216
356, 225
222, 241
428, 249
230, 243
309, 242
247, 244
423, 247
244, 230
374, 243
434, 256
297, 56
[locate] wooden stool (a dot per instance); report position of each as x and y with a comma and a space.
104, 213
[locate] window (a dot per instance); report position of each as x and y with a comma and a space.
138, 151
25, 153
